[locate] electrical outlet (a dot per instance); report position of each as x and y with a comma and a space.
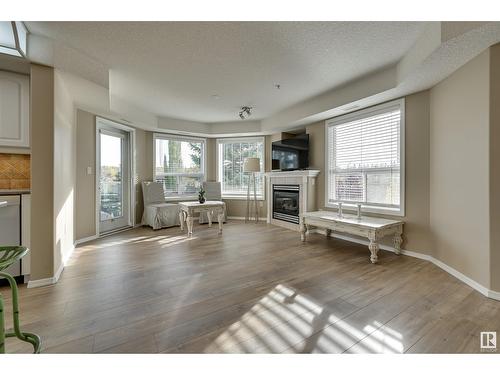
89, 170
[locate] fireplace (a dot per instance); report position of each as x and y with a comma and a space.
286, 203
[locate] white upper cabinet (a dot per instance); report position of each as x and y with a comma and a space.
14, 110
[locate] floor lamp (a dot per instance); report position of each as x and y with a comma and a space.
252, 166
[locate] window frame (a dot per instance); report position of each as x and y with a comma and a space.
203, 163
367, 112
219, 164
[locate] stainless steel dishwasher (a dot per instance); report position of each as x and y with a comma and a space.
10, 227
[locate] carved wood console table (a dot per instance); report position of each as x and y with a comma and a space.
372, 228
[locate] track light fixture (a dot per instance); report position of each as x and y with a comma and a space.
245, 112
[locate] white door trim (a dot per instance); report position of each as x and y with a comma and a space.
101, 123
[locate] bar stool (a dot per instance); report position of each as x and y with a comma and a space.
9, 255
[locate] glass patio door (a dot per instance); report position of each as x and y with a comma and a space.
114, 179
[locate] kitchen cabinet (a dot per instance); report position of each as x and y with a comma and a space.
14, 110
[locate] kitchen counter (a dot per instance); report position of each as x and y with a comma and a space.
14, 191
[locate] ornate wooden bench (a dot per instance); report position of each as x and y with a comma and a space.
373, 228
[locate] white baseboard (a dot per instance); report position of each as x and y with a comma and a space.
41, 282
48, 281
86, 239
262, 219
55, 278
494, 295
460, 276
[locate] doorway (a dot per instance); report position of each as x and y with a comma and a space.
114, 169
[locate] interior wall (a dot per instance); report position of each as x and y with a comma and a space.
42, 171
495, 167
85, 197
211, 156
143, 170
416, 229
64, 171
459, 173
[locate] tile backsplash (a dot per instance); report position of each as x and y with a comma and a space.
15, 171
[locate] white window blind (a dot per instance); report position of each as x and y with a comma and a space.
232, 152
364, 157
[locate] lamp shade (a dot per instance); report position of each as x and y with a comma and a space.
251, 165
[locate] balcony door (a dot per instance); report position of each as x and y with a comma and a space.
113, 177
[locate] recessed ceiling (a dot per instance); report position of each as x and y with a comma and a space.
173, 69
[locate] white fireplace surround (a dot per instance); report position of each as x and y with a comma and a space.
306, 179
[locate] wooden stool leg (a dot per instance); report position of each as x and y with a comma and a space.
2, 327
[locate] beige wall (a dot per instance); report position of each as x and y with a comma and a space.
42, 171
64, 171
85, 184
495, 167
85, 199
143, 170
211, 159
416, 170
459, 159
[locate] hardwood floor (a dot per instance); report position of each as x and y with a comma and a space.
253, 289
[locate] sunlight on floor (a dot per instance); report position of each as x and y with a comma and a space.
285, 320
163, 240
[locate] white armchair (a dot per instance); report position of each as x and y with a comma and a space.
157, 213
212, 193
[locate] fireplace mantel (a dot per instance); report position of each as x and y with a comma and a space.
298, 173
305, 179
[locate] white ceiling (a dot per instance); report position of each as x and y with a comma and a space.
172, 69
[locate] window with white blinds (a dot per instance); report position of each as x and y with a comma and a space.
179, 164
232, 153
365, 158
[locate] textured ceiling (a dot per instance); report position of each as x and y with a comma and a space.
173, 69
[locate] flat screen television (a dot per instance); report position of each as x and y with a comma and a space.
291, 154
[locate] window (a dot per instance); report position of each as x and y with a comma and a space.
179, 164
365, 159
232, 152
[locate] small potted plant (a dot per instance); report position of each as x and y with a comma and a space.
201, 195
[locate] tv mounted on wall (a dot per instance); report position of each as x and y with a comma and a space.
291, 154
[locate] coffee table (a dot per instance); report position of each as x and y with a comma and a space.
373, 228
188, 209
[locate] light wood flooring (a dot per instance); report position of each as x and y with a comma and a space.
253, 289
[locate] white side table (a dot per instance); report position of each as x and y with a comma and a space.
188, 209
